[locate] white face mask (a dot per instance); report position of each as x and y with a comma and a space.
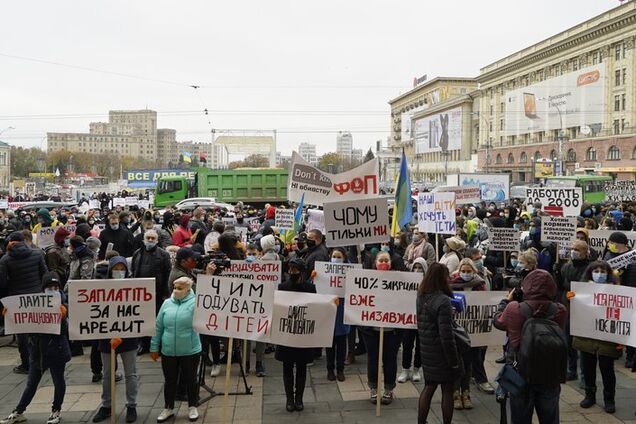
119, 275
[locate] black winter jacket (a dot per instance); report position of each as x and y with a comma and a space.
153, 263
440, 359
295, 354
21, 270
122, 240
318, 253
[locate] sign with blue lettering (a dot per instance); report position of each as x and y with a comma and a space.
147, 178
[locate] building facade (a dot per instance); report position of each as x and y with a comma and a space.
5, 166
344, 144
308, 152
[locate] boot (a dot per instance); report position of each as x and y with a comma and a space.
590, 398
608, 398
288, 382
466, 402
457, 400
350, 359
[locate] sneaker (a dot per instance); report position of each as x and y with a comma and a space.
387, 397
165, 415
215, 370
404, 376
131, 414
14, 417
466, 402
118, 376
20, 369
97, 377
260, 369
373, 396
331, 376
54, 418
193, 413
340, 376
457, 400
416, 377
486, 387
350, 359
102, 415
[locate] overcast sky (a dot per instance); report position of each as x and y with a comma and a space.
306, 69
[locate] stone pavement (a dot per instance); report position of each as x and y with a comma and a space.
325, 401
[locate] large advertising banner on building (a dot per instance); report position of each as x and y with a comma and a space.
320, 187
570, 100
148, 177
439, 132
493, 187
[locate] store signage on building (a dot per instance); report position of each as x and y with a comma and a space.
417, 81
149, 177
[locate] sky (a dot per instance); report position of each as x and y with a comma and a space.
305, 69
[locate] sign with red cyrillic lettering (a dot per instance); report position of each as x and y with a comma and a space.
381, 298
356, 222
603, 312
436, 213
477, 318
303, 319
104, 309
233, 307
269, 271
330, 277
284, 219
319, 187
32, 313
556, 201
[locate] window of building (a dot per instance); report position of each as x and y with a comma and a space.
617, 126
624, 75
502, 107
537, 155
617, 103
575, 65
613, 153
617, 51
590, 154
511, 158
617, 77
501, 124
553, 154
622, 125
594, 58
523, 158
3, 159
572, 155
634, 153
490, 126
499, 160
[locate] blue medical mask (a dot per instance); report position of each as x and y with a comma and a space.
67, 242
50, 290
466, 276
250, 258
337, 260
385, 248
149, 244
533, 230
277, 248
114, 227
514, 263
599, 277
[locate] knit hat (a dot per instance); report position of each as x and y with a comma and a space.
455, 243
49, 278
60, 235
45, 215
618, 237
93, 243
184, 220
83, 230
268, 242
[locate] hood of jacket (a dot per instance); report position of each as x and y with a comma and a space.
187, 297
20, 250
117, 260
539, 285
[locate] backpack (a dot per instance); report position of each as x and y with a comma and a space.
543, 351
544, 261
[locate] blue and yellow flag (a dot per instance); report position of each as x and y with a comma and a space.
403, 207
289, 235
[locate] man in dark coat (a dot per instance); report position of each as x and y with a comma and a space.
316, 251
21, 272
120, 237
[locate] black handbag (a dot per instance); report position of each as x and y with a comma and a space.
462, 339
510, 380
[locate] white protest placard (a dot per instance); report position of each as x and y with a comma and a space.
119, 201
599, 239
463, 194
229, 220
258, 271
316, 220
620, 191
284, 219
477, 318
131, 201
303, 319
143, 204
253, 223
32, 313
94, 204
556, 201
381, 298
320, 187
45, 237
232, 307
103, 309
436, 213
621, 261
71, 228
4, 204
504, 239
242, 232
603, 312
330, 277
558, 229
356, 221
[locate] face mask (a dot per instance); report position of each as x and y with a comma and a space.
91, 222
250, 258
466, 276
533, 230
516, 226
612, 247
337, 260
506, 215
383, 266
520, 267
179, 294
417, 238
51, 290
599, 277
479, 263
294, 277
277, 248
149, 244
114, 227
576, 255
67, 242
311, 243
385, 248
471, 214
119, 275
445, 249
514, 263
396, 241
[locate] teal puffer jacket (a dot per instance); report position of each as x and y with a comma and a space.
175, 334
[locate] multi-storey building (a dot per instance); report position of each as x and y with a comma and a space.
308, 152
344, 144
5, 165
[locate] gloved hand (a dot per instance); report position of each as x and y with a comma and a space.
115, 342
63, 311
570, 295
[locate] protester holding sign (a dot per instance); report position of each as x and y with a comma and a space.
419, 248
337, 352
593, 351
411, 340
46, 351
453, 248
180, 348
295, 356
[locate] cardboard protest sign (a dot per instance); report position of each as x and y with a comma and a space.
603, 312
269, 271
303, 319
71, 228
119, 201
253, 224
330, 277
284, 219
131, 201
558, 229
436, 213
556, 201
143, 204
103, 309
232, 307
620, 191
599, 238
621, 261
4, 204
242, 232
504, 239
94, 204
45, 237
356, 222
320, 187
32, 313
463, 194
316, 220
229, 220
477, 318
381, 298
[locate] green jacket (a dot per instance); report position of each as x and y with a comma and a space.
174, 332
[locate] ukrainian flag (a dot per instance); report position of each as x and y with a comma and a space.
403, 207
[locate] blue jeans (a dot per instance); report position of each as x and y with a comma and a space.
132, 379
545, 399
35, 375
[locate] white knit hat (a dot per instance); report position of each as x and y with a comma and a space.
268, 242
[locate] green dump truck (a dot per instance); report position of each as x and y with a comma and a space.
248, 185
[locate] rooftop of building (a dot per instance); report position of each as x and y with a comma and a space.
430, 83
